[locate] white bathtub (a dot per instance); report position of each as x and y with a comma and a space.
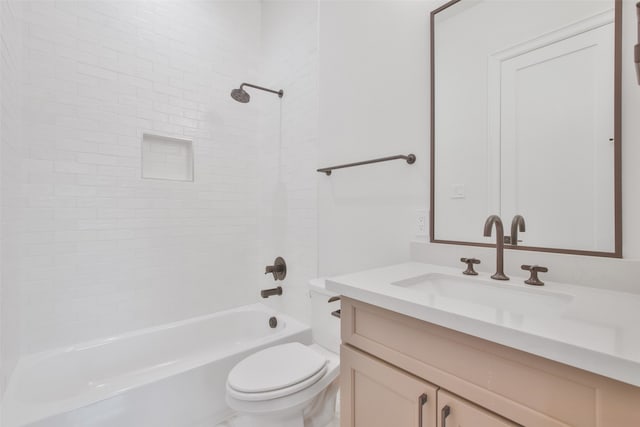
168, 376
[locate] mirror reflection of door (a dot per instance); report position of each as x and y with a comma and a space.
524, 122
555, 137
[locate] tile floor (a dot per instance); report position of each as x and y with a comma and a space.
334, 423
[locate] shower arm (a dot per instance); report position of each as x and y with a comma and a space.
277, 92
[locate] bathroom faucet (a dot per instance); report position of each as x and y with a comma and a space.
488, 226
517, 224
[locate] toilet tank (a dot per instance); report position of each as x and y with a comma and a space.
324, 327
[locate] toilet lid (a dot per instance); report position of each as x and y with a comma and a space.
276, 368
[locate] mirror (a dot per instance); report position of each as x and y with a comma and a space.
526, 121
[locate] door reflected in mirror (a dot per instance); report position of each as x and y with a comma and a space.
525, 117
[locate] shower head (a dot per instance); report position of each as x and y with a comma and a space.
242, 96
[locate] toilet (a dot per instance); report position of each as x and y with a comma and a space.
292, 384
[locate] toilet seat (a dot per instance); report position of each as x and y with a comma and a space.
276, 372
274, 394
273, 412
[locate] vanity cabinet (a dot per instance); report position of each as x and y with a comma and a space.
389, 360
381, 395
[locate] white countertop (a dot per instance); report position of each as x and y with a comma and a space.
592, 329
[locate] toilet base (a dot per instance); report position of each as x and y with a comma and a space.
321, 411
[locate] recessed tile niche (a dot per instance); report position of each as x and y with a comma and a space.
167, 158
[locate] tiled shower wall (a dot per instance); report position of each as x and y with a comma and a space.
288, 148
99, 250
10, 151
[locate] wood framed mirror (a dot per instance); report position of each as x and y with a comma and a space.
526, 120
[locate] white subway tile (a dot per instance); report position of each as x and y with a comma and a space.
98, 159
127, 252
73, 167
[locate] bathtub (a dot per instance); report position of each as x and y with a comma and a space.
168, 376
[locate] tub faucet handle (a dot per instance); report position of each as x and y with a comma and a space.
278, 269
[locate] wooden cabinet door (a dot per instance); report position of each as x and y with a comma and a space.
375, 394
454, 411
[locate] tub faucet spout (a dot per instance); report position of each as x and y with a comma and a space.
266, 293
488, 226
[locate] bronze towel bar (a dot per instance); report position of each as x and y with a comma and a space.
411, 159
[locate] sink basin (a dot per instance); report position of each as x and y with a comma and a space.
444, 289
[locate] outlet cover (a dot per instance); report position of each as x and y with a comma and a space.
422, 223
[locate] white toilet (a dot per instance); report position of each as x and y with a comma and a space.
291, 385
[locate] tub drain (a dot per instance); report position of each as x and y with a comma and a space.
273, 322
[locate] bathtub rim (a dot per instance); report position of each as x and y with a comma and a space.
18, 413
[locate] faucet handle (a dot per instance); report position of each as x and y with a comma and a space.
278, 269
337, 312
470, 262
534, 270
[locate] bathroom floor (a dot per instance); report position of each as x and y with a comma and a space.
334, 423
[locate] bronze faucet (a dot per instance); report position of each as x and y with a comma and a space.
534, 269
266, 293
278, 269
488, 226
517, 224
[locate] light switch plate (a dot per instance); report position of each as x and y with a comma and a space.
457, 191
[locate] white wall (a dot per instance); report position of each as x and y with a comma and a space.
98, 249
375, 101
288, 149
10, 149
